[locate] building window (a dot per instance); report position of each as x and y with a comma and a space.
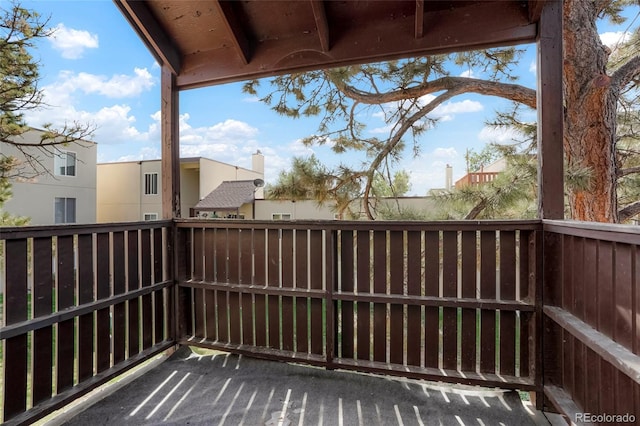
65, 210
65, 163
150, 184
151, 216
281, 216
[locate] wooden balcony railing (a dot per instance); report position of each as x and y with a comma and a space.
450, 301
592, 319
81, 305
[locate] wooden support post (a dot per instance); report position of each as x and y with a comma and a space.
170, 145
550, 113
550, 108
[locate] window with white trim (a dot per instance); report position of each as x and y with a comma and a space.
150, 184
150, 216
65, 210
65, 163
281, 216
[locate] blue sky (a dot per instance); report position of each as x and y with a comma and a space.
96, 70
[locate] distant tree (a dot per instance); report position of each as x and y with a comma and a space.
5, 194
405, 93
391, 186
308, 179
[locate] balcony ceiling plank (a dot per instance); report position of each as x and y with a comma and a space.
236, 31
322, 24
152, 32
419, 18
213, 42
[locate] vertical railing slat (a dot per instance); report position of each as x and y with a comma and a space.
15, 350
432, 288
197, 274
414, 288
302, 282
246, 299
260, 279
449, 289
43, 283
158, 276
469, 268
623, 296
211, 317
316, 264
380, 287
119, 310
103, 291
147, 303
66, 298
233, 261
347, 286
85, 295
508, 293
133, 283
287, 261
396, 314
488, 291
364, 286
273, 273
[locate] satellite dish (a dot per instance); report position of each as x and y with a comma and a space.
258, 183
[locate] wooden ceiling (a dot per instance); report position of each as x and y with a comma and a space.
206, 42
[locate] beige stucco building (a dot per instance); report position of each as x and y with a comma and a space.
57, 186
312, 210
132, 191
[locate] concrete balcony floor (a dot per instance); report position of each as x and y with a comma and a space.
218, 388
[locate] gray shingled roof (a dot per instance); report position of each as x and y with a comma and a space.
229, 195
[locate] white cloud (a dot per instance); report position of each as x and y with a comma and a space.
533, 67
445, 153
498, 135
447, 112
468, 74
459, 107
72, 43
116, 86
613, 38
443, 112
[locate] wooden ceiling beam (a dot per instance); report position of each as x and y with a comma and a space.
152, 33
238, 36
322, 24
419, 18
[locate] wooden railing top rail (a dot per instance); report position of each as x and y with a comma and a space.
11, 233
600, 231
363, 225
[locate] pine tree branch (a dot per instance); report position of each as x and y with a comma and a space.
626, 73
629, 211
628, 171
514, 92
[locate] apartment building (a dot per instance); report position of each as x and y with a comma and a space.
132, 191
63, 187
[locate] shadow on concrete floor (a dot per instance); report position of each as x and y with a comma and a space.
221, 388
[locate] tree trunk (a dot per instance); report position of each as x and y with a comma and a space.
590, 114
